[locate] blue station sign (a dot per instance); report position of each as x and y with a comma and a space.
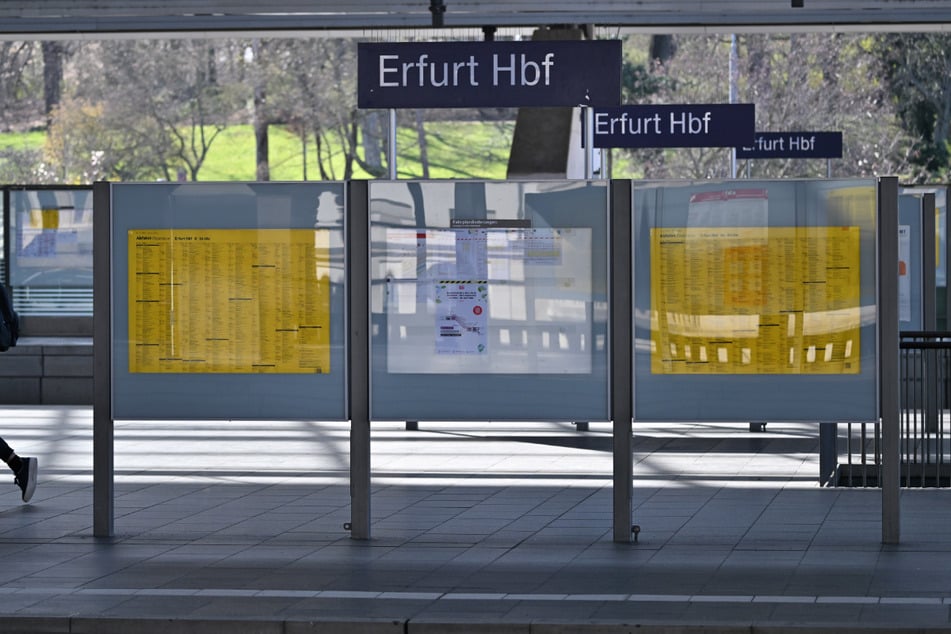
684, 125
489, 74
792, 145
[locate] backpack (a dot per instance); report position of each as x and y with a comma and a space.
9, 321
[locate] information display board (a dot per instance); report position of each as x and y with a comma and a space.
489, 289
910, 263
755, 303
51, 237
942, 302
228, 301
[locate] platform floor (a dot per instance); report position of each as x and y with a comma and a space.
237, 527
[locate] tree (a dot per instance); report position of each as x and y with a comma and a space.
916, 68
53, 56
20, 84
312, 88
162, 103
814, 81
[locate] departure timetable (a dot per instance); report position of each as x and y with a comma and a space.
755, 300
229, 301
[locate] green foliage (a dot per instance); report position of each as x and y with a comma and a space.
638, 84
16, 165
916, 70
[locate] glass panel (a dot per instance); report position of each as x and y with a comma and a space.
941, 248
488, 300
910, 263
228, 301
51, 251
755, 301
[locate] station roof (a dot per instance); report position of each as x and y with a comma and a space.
36, 19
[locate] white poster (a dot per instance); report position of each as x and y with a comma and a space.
461, 316
477, 300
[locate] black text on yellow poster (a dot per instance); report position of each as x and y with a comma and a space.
229, 301
755, 300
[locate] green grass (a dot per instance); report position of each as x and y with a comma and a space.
456, 149
23, 140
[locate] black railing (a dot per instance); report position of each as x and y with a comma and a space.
925, 389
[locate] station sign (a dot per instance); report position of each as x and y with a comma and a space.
489, 74
683, 125
792, 145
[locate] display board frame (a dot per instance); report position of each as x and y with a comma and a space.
780, 395
193, 212
941, 249
912, 313
574, 215
50, 231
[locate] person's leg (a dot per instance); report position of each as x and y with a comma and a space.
7, 455
23, 468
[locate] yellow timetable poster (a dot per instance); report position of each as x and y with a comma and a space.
229, 300
755, 300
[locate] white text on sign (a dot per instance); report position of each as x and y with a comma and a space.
678, 123
507, 70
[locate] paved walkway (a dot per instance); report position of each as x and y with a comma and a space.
237, 527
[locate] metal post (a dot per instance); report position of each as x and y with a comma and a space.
358, 279
6, 232
947, 263
828, 452
929, 378
622, 357
928, 256
734, 66
588, 141
889, 393
103, 454
391, 145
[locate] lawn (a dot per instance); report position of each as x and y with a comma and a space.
22, 140
456, 149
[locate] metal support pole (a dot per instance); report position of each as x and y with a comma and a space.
947, 267
734, 72
358, 264
588, 141
928, 255
828, 452
391, 145
622, 358
889, 389
103, 453
929, 315
6, 232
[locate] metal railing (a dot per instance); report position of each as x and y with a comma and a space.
925, 375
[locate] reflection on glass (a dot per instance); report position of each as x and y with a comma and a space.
755, 300
488, 300
52, 238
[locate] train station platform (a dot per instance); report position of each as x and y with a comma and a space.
237, 527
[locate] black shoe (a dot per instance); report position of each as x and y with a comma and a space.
26, 477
